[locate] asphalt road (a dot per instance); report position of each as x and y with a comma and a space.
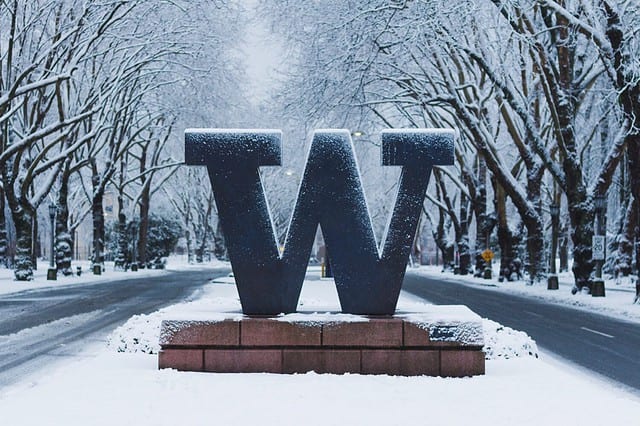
39, 326
598, 343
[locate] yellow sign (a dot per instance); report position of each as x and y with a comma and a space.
487, 255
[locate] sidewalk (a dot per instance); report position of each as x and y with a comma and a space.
8, 284
618, 302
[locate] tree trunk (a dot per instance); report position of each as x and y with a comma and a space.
22, 221
219, 245
463, 238
633, 158
625, 246
506, 239
145, 199
485, 223
629, 92
35, 242
121, 259
63, 241
205, 230
4, 243
528, 212
445, 223
187, 236
199, 251
443, 243
98, 220
23, 266
563, 247
580, 209
535, 234
143, 230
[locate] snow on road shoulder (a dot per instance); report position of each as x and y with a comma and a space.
8, 284
219, 300
127, 389
618, 302
28, 336
104, 387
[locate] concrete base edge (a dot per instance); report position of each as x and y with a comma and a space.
393, 346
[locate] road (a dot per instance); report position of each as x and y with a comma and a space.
38, 327
598, 343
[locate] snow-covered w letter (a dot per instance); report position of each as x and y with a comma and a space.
368, 278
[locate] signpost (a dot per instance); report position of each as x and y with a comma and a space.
487, 256
597, 247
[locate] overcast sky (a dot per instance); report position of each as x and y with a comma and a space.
263, 55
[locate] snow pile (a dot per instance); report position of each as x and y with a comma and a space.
502, 342
140, 334
217, 300
446, 323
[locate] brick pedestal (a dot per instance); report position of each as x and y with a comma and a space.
395, 346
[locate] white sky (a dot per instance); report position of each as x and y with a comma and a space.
263, 53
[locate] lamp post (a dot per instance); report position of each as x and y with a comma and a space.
134, 248
552, 279
598, 246
52, 272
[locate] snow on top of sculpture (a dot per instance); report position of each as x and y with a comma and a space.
368, 279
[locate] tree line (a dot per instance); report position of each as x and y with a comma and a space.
91, 95
544, 95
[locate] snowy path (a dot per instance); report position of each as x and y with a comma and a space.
598, 343
40, 326
103, 386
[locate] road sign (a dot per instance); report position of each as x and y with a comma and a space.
597, 247
487, 255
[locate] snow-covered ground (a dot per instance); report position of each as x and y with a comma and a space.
618, 302
8, 284
117, 383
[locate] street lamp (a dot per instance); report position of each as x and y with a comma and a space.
134, 248
598, 245
552, 279
52, 272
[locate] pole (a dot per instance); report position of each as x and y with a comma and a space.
52, 272
552, 279
53, 236
597, 289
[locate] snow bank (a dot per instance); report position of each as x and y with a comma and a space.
128, 388
618, 303
141, 334
502, 342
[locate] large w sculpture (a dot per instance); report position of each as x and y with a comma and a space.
368, 279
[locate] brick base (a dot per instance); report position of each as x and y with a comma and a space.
391, 346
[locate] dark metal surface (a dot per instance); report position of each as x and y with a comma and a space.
368, 282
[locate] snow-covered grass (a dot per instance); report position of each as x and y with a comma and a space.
618, 302
127, 389
8, 284
105, 387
